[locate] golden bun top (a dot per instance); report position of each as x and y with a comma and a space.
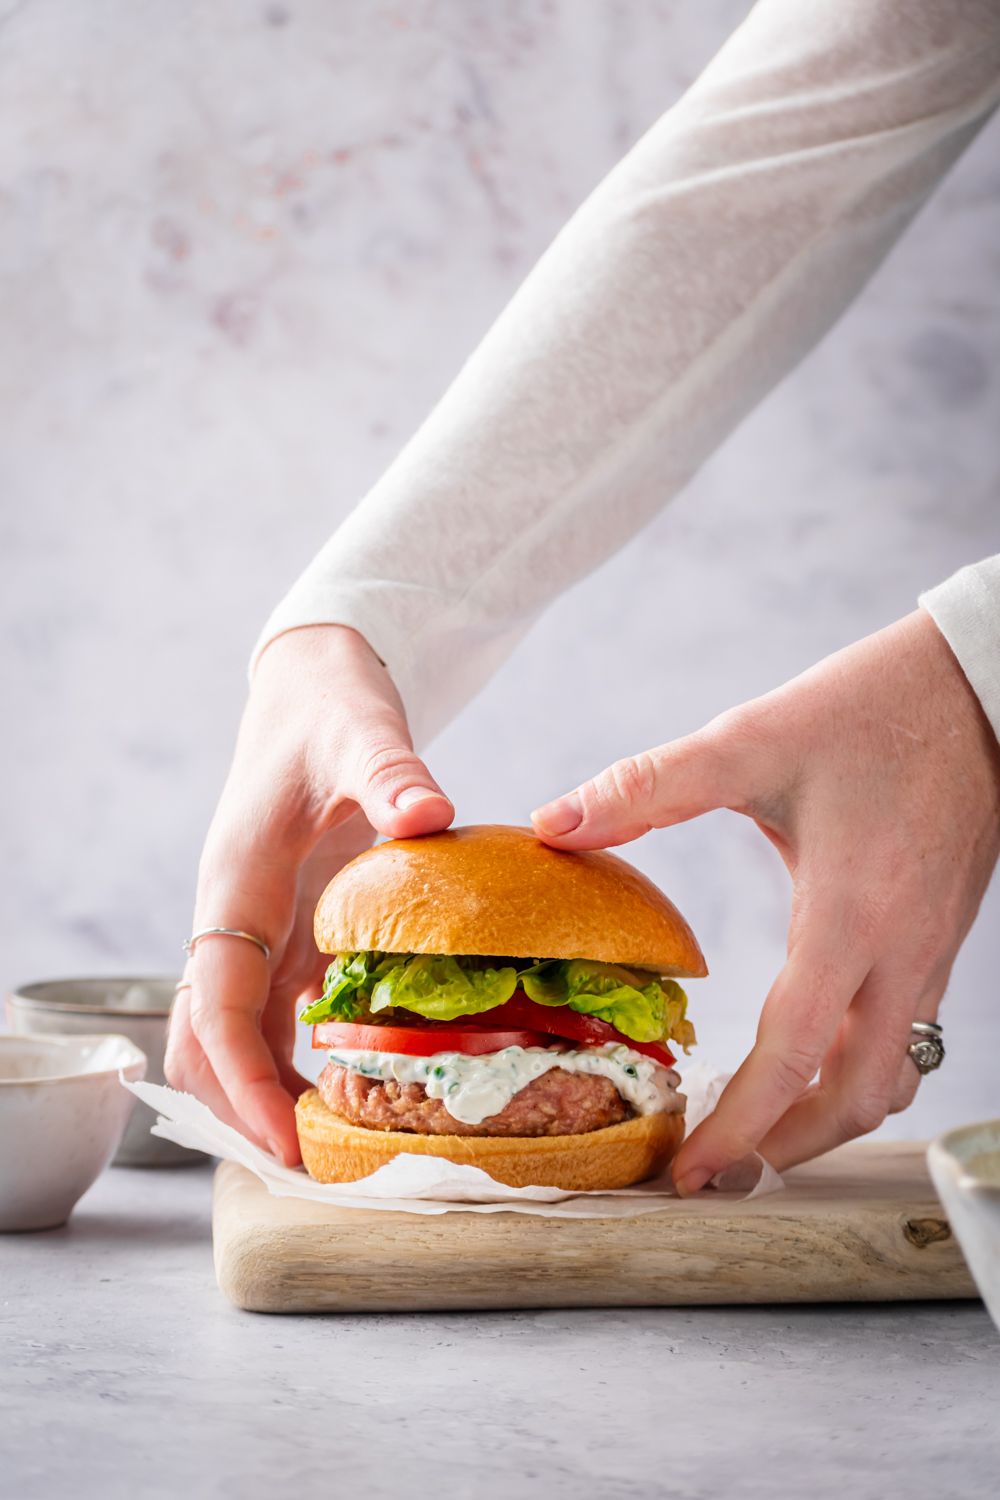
494, 890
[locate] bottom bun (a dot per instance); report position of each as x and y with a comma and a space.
615, 1157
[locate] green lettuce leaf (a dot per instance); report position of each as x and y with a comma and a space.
439, 988
445, 987
639, 1005
347, 987
442, 988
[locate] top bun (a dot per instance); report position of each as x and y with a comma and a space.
493, 890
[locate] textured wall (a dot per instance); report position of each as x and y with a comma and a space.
243, 248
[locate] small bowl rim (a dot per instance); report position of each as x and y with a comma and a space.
98, 1037
942, 1148
16, 995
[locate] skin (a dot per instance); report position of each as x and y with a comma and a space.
875, 774
877, 777
323, 761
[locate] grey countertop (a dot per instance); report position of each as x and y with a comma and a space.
124, 1372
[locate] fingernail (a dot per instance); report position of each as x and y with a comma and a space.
412, 795
560, 816
692, 1182
275, 1150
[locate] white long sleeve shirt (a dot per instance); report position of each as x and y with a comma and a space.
708, 262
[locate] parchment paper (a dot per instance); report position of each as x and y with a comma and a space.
429, 1185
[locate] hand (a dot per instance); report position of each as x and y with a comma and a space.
323, 758
877, 777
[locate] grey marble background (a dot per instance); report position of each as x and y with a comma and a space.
243, 247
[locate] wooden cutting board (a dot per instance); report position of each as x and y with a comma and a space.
861, 1224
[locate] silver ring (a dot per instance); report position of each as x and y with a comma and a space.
927, 1048
196, 937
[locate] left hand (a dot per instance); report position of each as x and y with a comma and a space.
323, 760
877, 777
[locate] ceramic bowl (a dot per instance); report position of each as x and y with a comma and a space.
134, 1007
62, 1114
965, 1166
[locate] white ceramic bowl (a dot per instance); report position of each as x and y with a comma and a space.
62, 1113
138, 1008
965, 1166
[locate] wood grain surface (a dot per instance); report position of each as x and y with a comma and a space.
861, 1224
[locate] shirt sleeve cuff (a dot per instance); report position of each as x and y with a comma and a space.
966, 610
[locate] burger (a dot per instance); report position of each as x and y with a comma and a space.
497, 1002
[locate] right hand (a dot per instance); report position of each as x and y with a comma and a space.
876, 775
323, 761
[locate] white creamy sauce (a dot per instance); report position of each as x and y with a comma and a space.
474, 1088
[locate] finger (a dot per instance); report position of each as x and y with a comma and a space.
358, 750
278, 1026
909, 1077
654, 789
186, 1067
860, 1077
229, 994
299, 981
179, 1033
800, 1018
358, 771
247, 883
177, 1021
392, 786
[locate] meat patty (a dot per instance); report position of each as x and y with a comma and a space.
557, 1103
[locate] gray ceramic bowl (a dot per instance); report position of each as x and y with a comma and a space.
62, 1113
965, 1166
134, 1007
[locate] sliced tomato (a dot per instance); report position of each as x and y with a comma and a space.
559, 1020
425, 1038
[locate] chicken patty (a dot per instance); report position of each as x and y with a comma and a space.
557, 1103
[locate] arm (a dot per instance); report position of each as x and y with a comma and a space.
691, 281
708, 262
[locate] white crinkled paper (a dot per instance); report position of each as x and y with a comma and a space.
430, 1185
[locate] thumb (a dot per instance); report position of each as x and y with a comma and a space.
653, 789
392, 786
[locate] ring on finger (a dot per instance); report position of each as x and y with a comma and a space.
191, 943
927, 1047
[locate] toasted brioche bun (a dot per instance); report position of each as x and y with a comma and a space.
498, 890
616, 1157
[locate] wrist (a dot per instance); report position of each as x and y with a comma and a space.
320, 645
959, 714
